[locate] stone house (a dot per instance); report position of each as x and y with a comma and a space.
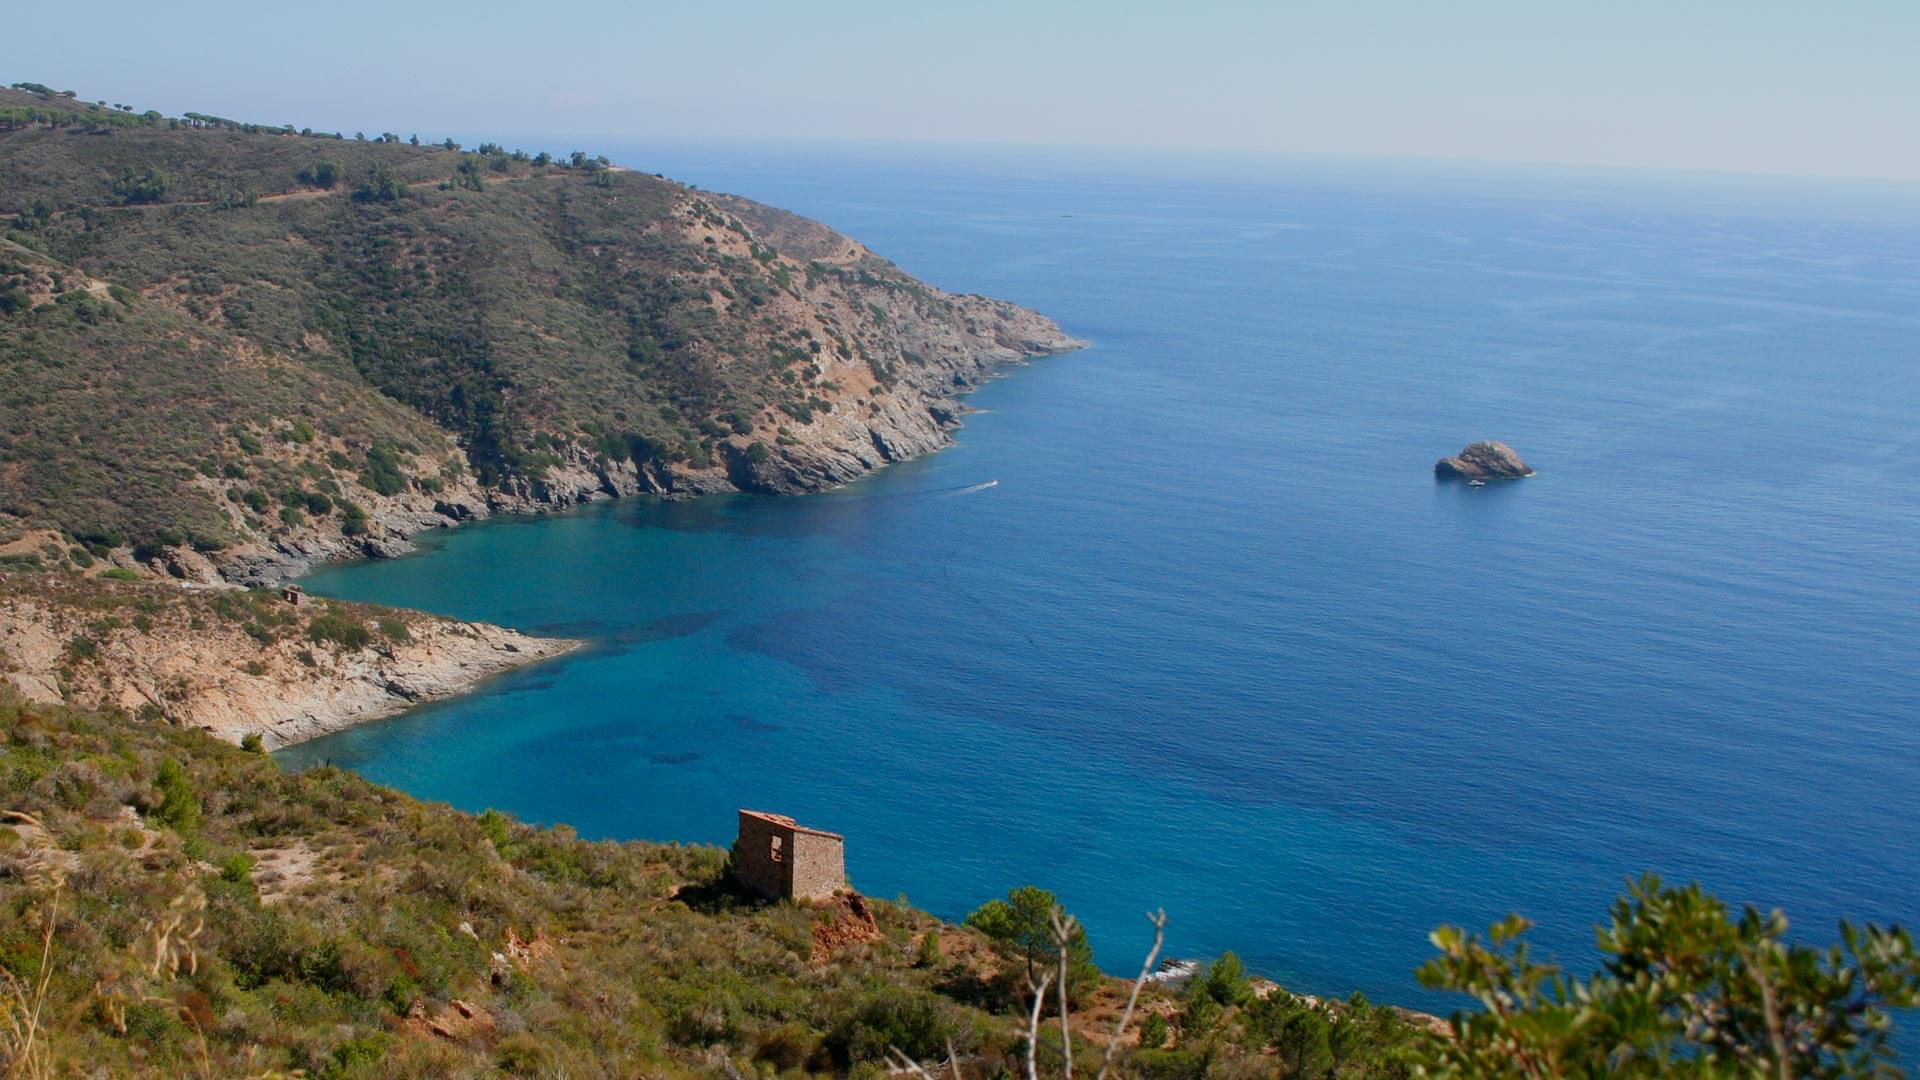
780, 858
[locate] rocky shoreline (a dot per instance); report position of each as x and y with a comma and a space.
919, 418
226, 681
239, 664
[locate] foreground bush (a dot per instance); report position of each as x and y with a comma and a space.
1687, 990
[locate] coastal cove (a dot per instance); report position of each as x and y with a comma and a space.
1214, 640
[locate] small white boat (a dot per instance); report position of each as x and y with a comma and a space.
1476, 483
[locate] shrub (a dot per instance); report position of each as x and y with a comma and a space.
332, 628
179, 807
382, 473
380, 185
1225, 981
498, 831
138, 186
1683, 981
1153, 1032
1023, 925
320, 174
358, 1057
919, 1025
81, 648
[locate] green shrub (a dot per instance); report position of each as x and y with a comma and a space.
1023, 925
356, 1057
382, 472
498, 831
919, 1025
380, 185
334, 629
1153, 1031
320, 174
1687, 988
179, 807
1225, 981
144, 185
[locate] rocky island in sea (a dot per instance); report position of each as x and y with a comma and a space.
1483, 461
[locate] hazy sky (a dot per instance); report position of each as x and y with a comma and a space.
1816, 86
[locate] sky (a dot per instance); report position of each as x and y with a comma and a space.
1813, 87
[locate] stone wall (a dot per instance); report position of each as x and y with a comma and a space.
818, 868
780, 858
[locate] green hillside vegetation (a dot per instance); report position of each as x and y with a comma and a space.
176, 294
174, 906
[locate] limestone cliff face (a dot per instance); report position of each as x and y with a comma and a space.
236, 663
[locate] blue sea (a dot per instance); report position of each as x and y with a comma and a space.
1184, 620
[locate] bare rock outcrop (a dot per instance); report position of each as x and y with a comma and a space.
1483, 461
235, 663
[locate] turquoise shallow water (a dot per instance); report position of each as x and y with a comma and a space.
1216, 641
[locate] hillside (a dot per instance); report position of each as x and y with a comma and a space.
173, 906
230, 350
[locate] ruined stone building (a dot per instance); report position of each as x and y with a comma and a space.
778, 857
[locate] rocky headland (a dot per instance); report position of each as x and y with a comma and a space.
235, 352
238, 663
1483, 461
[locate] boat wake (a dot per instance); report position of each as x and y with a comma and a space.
969, 489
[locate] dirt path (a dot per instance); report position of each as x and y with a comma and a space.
309, 193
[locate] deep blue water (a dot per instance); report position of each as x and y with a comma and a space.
1217, 642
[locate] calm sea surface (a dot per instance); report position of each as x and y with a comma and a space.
1216, 641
